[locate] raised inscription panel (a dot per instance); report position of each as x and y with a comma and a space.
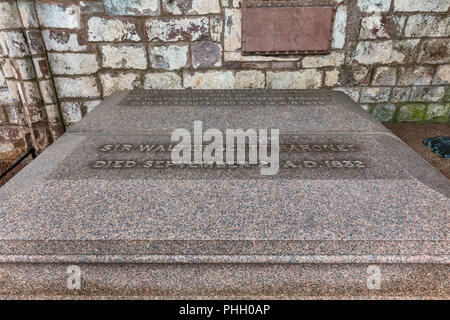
225, 98
301, 157
277, 28
292, 111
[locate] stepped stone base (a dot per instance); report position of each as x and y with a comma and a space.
280, 279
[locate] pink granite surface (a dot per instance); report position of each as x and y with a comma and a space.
166, 233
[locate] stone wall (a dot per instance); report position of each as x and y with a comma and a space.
392, 56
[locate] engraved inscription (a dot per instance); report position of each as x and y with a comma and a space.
148, 157
128, 147
168, 164
301, 157
225, 98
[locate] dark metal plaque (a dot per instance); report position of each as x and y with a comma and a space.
276, 28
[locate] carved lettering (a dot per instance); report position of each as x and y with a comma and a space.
235, 98
168, 164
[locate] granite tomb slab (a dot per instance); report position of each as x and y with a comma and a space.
349, 196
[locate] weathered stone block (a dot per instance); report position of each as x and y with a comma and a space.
124, 56
340, 24
52, 111
331, 78
384, 76
71, 111
379, 94
405, 49
13, 89
76, 87
303, 79
29, 94
417, 75
132, 7
23, 69
5, 68
421, 25
216, 28
385, 52
58, 15
282, 65
383, 112
411, 112
420, 5
47, 91
437, 112
2, 79
237, 56
374, 5
3, 119
358, 75
447, 95
435, 51
9, 15
73, 63
162, 80
377, 26
13, 94
206, 54
28, 14
332, 59
6, 147
427, 94
5, 97
442, 75
14, 115
91, 7
42, 68
9, 133
36, 45
232, 32
400, 94
112, 82
102, 29
178, 29
236, 3
208, 80
64, 40
250, 79
170, 57
191, 6
372, 28
13, 44
41, 134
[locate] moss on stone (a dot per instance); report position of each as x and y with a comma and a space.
384, 112
413, 112
438, 112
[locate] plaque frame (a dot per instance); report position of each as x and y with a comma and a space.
245, 50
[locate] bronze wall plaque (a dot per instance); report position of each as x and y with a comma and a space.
276, 28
